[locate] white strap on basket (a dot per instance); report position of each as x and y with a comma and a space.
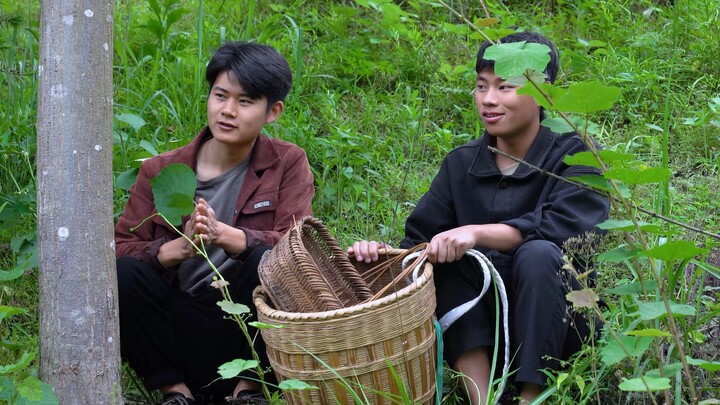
455, 313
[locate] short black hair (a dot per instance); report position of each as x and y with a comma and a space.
260, 69
552, 68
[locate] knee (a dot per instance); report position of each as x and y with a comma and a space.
537, 261
129, 270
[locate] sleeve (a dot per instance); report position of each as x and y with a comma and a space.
142, 243
568, 210
433, 214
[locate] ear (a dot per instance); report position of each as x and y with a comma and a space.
274, 112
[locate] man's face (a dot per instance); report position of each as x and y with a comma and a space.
505, 114
234, 118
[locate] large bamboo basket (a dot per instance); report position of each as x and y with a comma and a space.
358, 347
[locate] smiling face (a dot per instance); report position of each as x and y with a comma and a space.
235, 119
510, 117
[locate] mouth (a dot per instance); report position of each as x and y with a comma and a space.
491, 117
226, 125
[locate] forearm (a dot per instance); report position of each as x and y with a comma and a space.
174, 252
498, 237
232, 240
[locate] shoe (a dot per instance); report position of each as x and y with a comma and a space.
176, 398
247, 397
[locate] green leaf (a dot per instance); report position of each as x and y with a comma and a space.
11, 274
628, 226
668, 369
649, 332
600, 183
637, 175
135, 121
295, 385
593, 180
513, 59
126, 179
560, 126
6, 311
21, 364
233, 308
586, 97
529, 75
149, 148
608, 156
633, 288
619, 255
675, 250
30, 389
704, 364
48, 396
614, 353
550, 90
261, 325
233, 368
649, 384
174, 190
486, 22
653, 310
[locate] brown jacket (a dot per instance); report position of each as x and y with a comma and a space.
278, 189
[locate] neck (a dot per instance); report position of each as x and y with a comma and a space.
516, 146
216, 158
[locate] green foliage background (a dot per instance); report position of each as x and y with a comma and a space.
381, 94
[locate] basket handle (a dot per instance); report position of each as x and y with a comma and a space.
381, 268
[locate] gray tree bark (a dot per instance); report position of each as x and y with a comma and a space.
79, 332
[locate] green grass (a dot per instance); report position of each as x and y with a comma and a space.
381, 94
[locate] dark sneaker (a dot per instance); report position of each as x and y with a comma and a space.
247, 397
176, 398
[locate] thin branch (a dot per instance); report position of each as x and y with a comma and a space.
586, 187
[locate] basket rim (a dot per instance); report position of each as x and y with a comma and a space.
260, 297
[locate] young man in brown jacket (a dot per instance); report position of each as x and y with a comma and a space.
249, 190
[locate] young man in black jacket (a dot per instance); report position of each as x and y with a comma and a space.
519, 218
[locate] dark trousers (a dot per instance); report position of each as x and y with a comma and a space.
543, 328
169, 337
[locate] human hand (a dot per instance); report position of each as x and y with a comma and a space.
451, 245
366, 251
205, 224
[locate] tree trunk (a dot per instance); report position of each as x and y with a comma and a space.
79, 333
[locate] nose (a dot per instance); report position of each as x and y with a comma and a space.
229, 109
489, 96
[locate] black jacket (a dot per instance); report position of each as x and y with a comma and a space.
469, 189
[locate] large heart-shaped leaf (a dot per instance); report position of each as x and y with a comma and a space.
174, 190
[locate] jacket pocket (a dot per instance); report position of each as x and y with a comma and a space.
259, 212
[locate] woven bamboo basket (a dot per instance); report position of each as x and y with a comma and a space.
308, 271
358, 348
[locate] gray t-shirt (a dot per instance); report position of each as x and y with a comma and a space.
221, 192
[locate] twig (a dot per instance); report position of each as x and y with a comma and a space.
586, 187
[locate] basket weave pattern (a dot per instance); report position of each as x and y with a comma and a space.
307, 271
357, 343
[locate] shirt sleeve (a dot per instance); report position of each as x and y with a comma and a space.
568, 211
433, 214
142, 243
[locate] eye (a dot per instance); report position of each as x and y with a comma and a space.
220, 96
245, 101
480, 87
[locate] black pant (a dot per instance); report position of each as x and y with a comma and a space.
541, 322
169, 337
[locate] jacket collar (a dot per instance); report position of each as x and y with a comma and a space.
483, 164
263, 155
